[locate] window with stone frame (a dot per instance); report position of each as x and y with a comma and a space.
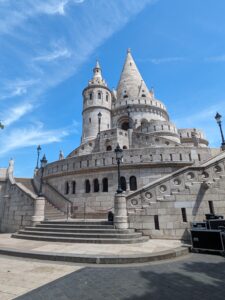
67, 188
87, 186
133, 183
96, 185
105, 184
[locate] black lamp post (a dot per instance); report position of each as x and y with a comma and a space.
43, 165
99, 123
38, 155
129, 119
218, 118
119, 156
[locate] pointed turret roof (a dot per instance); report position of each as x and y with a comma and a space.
97, 76
131, 82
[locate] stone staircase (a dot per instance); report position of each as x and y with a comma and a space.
90, 231
52, 213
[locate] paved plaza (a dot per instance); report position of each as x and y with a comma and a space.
195, 276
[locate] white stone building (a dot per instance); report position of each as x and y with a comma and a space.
170, 176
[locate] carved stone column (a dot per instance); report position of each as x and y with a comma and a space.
39, 210
120, 212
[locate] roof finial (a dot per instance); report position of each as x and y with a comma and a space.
97, 64
128, 50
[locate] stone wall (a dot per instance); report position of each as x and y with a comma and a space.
17, 208
166, 207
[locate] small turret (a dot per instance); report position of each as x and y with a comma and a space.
96, 99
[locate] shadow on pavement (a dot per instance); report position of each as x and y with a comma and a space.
195, 277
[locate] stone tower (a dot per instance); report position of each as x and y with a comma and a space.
96, 99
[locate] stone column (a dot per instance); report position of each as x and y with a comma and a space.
130, 132
39, 210
120, 211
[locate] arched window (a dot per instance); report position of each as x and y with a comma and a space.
67, 188
123, 183
125, 126
73, 187
99, 95
133, 183
107, 97
124, 147
87, 186
105, 184
109, 148
96, 185
90, 96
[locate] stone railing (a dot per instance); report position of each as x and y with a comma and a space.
148, 156
166, 188
57, 199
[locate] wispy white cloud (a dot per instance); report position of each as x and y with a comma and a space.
13, 114
56, 54
31, 136
48, 31
16, 88
163, 60
15, 13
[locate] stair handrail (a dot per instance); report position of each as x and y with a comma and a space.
59, 201
205, 165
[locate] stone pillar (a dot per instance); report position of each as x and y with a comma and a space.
39, 210
120, 211
130, 132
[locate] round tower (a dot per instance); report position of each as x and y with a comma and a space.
96, 106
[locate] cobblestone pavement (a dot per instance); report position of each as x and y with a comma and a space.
195, 277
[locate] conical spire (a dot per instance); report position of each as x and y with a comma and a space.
97, 71
131, 84
97, 76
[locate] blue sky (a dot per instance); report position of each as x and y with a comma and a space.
49, 47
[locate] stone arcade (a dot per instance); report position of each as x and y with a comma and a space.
170, 176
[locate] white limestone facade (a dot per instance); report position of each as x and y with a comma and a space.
161, 171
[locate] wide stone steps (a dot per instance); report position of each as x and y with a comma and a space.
82, 235
79, 230
92, 231
81, 240
53, 213
76, 226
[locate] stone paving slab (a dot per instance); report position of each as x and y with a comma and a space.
19, 276
151, 246
92, 253
195, 276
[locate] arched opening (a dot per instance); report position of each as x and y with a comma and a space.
124, 147
105, 184
96, 185
90, 96
99, 95
125, 125
87, 186
67, 188
109, 148
133, 183
123, 183
74, 187
107, 97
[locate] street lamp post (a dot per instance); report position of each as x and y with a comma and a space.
119, 156
99, 123
38, 155
43, 165
218, 118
